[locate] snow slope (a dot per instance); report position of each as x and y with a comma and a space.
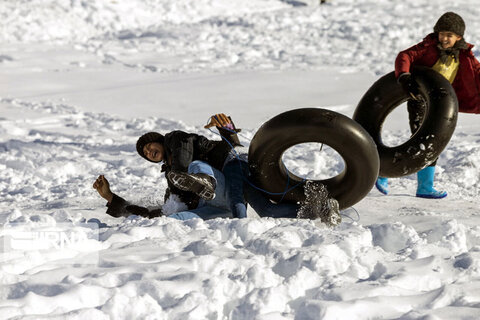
80, 81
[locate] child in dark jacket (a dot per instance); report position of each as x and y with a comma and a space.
192, 164
446, 52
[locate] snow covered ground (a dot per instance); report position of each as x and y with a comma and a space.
80, 81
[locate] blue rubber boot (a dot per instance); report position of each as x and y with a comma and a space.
425, 184
382, 185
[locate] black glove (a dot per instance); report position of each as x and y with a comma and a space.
409, 85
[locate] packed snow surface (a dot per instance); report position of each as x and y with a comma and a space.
80, 81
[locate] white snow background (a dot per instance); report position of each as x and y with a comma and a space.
81, 80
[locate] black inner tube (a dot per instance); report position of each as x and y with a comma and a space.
304, 125
438, 125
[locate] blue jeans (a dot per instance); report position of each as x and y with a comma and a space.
218, 206
240, 189
237, 176
231, 191
234, 171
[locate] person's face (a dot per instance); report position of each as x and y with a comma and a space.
448, 39
154, 151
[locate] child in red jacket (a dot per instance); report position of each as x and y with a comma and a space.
446, 52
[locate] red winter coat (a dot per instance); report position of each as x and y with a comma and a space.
467, 80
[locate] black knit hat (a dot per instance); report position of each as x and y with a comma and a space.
450, 21
146, 139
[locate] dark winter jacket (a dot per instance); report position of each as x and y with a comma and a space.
120, 207
467, 80
181, 149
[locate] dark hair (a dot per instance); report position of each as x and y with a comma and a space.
450, 21
146, 139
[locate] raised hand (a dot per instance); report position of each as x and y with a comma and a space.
220, 120
409, 85
103, 188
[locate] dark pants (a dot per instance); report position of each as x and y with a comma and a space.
266, 208
239, 189
234, 171
416, 114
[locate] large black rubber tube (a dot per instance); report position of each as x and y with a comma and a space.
426, 144
293, 127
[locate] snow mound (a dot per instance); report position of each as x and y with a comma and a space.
236, 269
